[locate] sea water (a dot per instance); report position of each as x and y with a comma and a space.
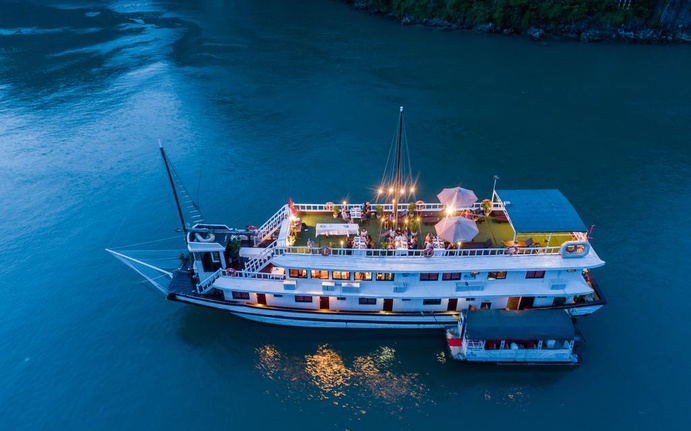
258, 101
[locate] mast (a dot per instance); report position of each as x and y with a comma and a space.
175, 193
397, 183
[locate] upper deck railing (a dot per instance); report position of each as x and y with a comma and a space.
423, 253
419, 207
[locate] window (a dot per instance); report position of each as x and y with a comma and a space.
496, 275
303, 298
340, 298
385, 276
340, 275
471, 276
431, 301
485, 306
297, 273
451, 276
364, 276
535, 274
278, 296
214, 257
470, 299
429, 276
368, 301
241, 295
324, 275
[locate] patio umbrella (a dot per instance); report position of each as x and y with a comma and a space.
457, 197
456, 229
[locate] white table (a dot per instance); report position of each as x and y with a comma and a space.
337, 229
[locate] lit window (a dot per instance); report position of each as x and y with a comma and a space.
431, 301
241, 295
535, 274
429, 276
297, 273
385, 276
367, 301
323, 275
451, 276
303, 298
340, 275
485, 306
364, 276
496, 275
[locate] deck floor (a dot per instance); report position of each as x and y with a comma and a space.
488, 229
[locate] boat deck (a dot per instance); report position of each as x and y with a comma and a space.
490, 228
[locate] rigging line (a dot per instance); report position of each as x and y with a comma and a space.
147, 242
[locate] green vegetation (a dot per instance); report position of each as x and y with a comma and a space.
520, 15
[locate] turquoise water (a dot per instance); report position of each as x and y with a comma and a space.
259, 100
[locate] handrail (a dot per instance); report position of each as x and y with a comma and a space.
387, 207
446, 253
205, 286
272, 223
255, 264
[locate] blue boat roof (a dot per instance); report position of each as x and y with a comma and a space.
540, 211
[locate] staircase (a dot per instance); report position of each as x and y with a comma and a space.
264, 232
258, 263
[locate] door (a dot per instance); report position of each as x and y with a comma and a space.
513, 303
261, 298
526, 302
324, 302
453, 303
388, 304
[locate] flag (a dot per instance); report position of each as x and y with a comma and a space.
291, 205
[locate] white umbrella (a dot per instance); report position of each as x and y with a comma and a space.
456, 229
457, 197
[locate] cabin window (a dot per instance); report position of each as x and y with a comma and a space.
436, 301
429, 276
367, 301
405, 299
340, 275
472, 276
470, 299
384, 276
323, 275
241, 295
278, 296
535, 274
451, 276
340, 298
559, 300
297, 273
485, 305
364, 276
215, 258
496, 275
303, 298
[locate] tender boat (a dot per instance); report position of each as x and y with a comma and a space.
528, 337
400, 264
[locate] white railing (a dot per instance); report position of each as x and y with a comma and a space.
422, 207
374, 252
258, 275
205, 286
257, 263
273, 223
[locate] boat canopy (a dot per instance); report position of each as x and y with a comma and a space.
519, 325
540, 211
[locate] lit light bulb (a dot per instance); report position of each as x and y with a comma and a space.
380, 191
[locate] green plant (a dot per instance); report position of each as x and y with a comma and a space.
336, 210
233, 247
411, 208
380, 210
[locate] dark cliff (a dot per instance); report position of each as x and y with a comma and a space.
587, 20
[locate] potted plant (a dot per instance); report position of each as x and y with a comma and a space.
486, 206
337, 211
411, 209
380, 211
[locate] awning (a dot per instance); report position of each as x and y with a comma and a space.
519, 325
540, 211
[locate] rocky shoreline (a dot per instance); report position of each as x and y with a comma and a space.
673, 25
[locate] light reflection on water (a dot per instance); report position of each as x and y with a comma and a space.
352, 383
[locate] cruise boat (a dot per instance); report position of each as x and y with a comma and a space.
528, 337
401, 264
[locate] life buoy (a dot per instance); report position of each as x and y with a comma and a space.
428, 252
251, 227
512, 249
325, 251
205, 237
231, 272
